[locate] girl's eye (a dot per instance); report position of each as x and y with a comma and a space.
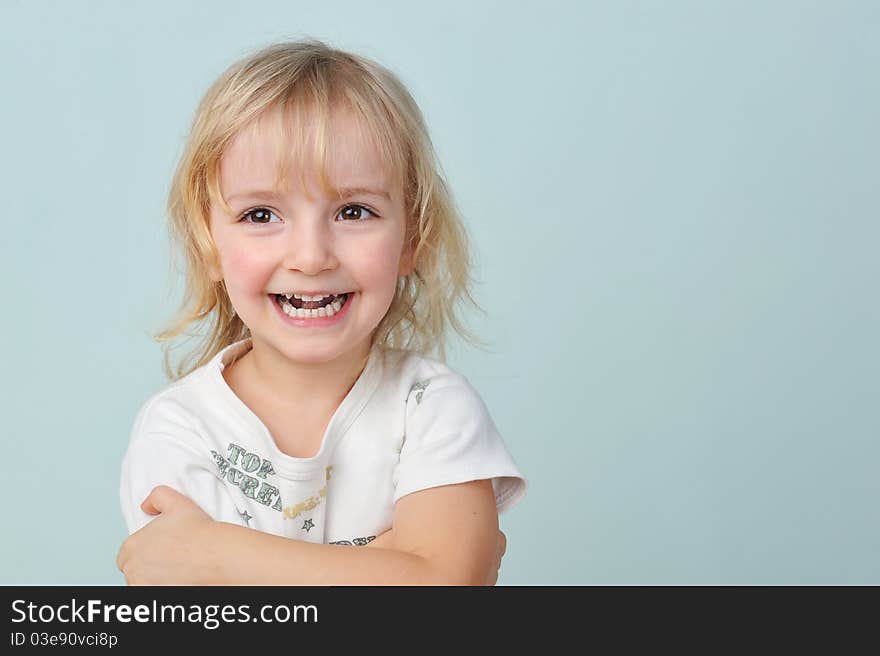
355, 212
260, 215
350, 213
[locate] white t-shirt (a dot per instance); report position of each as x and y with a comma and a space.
408, 423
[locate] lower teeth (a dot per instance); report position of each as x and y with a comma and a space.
328, 310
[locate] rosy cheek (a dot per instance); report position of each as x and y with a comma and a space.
377, 267
244, 268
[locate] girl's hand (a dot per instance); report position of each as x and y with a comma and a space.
171, 549
500, 549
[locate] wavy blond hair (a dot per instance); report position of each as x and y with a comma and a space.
306, 79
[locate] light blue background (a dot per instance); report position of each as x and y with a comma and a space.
675, 213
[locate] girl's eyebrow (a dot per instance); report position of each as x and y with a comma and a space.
344, 192
258, 193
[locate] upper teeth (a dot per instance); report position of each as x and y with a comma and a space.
306, 297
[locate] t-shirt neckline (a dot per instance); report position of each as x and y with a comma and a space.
341, 420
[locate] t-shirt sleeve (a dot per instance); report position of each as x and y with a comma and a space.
155, 458
450, 438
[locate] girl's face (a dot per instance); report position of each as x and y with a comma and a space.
297, 243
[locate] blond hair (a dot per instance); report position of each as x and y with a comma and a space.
306, 78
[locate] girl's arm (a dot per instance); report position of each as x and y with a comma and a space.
442, 535
384, 541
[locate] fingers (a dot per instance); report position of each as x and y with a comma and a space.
502, 545
160, 499
123, 561
500, 550
122, 557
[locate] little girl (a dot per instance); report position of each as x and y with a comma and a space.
324, 250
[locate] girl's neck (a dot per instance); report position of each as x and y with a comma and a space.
294, 386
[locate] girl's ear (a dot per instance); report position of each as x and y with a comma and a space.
214, 273
406, 263
406, 259
212, 266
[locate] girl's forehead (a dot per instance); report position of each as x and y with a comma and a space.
252, 158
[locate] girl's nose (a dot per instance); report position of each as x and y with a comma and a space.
309, 247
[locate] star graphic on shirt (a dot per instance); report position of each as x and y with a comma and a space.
247, 518
308, 524
419, 388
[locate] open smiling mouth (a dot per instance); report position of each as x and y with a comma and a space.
300, 309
